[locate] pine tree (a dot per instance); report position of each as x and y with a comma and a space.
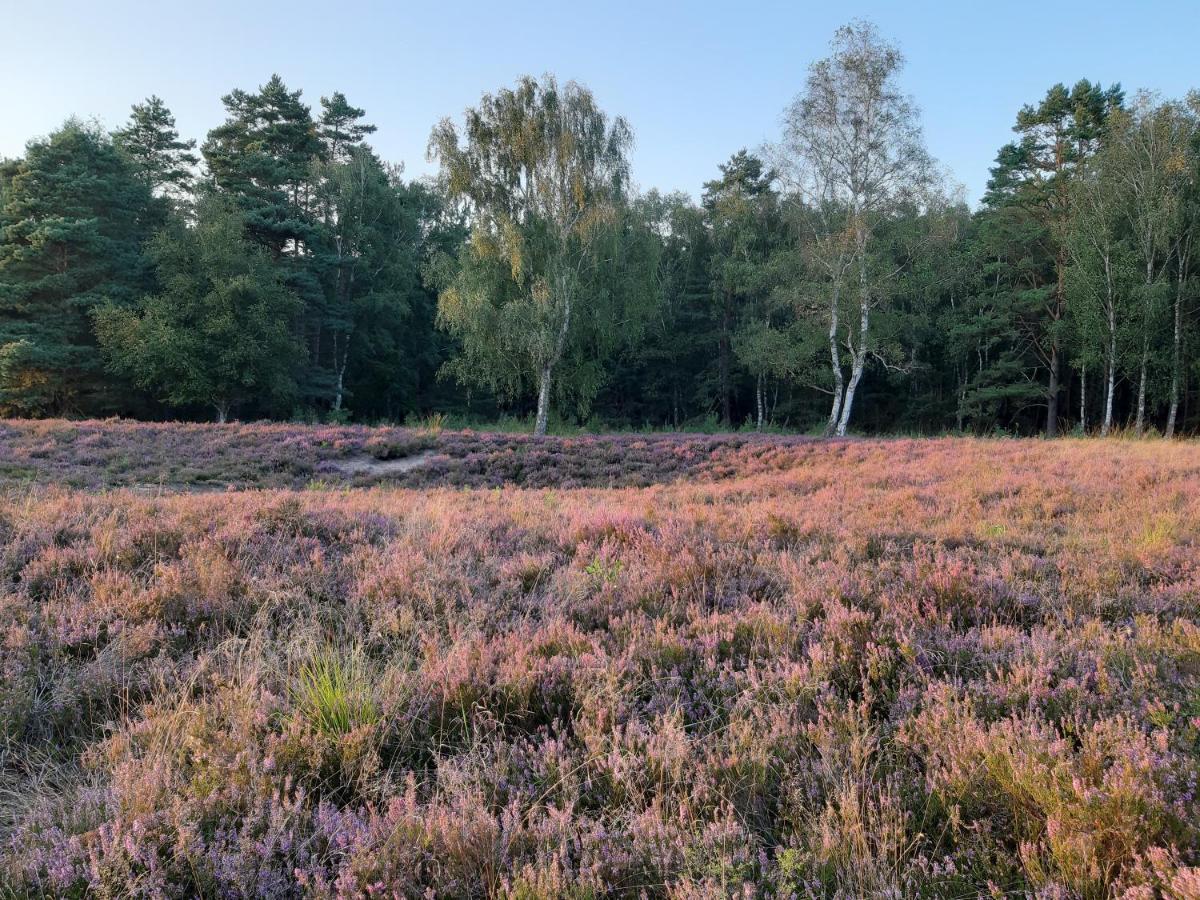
341, 128
1035, 174
74, 219
152, 142
262, 156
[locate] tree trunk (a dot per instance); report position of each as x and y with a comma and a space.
543, 404
222, 407
339, 362
1109, 385
1083, 399
848, 403
1111, 361
1140, 426
1140, 423
339, 389
560, 345
724, 365
1052, 393
860, 359
864, 321
836, 361
1176, 347
759, 402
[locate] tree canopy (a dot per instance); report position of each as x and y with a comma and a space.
829, 281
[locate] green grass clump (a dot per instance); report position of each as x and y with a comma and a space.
334, 693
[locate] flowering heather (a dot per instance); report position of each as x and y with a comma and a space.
105, 454
942, 668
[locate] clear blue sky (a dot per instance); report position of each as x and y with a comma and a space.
696, 80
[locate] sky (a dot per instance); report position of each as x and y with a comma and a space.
697, 81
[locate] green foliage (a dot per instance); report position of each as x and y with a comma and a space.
72, 226
333, 693
532, 276
262, 156
152, 142
747, 233
603, 570
1033, 178
366, 257
340, 127
543, 172
218, 332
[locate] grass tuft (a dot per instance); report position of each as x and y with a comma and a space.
334, 693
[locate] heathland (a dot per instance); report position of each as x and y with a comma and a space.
629, 665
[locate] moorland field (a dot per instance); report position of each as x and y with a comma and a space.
274, 660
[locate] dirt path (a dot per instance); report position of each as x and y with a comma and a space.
368, 465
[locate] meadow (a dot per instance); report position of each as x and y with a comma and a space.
240, 661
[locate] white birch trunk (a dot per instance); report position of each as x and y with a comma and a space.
340, 361
560, 345
851, 387
1110, 383
1140, 422
543, 405
1176, 347
759, 403
864, 321
836, 362
339, 389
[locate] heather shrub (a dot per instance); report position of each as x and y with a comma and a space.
759, 668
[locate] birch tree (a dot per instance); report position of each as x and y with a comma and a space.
1100, 285
542, 171
1185, 238
1150, 147
856, 154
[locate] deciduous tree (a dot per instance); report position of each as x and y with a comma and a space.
543, 172
857, 154
218, 332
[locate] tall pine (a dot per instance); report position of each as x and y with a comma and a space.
151, 140
1034, 175
74, 220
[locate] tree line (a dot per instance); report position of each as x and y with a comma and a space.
831, 280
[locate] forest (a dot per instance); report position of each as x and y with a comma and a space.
831, 281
